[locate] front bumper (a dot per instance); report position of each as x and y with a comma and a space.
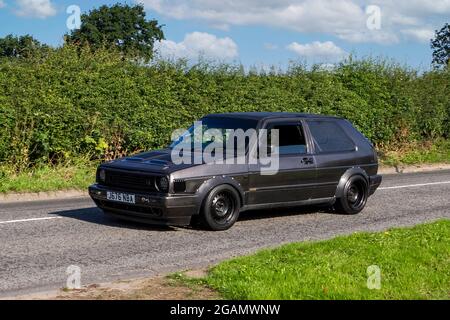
375, 182
152, 208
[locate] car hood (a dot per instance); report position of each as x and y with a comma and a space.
158, 161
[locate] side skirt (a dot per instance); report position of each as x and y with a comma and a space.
271, 205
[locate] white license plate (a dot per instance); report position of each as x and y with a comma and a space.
120, 197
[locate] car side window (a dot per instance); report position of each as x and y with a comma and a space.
328, 136
291, 138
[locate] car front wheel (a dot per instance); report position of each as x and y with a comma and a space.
354, 196
221, 208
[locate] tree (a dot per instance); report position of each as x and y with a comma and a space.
120, 26
441, 47
21, 47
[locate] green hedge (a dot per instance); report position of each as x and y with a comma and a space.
74, 103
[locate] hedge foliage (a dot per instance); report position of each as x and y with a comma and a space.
74, 103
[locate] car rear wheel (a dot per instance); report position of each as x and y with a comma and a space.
221, 208
354, 196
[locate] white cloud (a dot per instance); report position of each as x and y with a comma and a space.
345, 19
415, 8
319, 50
420, 35
221, 26
35, 8
303, 16
374, 36
2, 4
199, 44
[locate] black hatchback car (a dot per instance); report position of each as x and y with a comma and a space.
318, 160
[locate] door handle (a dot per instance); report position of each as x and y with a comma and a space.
307, 161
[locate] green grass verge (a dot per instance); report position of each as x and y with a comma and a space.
46, 178
414, 264
418, 153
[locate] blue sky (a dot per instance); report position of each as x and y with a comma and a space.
262, 32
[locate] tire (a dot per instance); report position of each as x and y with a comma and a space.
354, 196
220, 209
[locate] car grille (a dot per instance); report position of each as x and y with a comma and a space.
132, 181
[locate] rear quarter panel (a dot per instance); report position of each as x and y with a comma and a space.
330, 167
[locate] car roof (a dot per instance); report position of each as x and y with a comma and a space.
268, 115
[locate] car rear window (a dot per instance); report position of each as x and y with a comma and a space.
328, 136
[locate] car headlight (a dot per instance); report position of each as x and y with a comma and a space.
162, 184
102, 175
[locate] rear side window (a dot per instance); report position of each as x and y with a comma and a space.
328, 136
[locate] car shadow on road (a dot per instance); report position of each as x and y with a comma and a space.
95, 215
262, 214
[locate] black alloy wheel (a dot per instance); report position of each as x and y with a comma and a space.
221, 208
354, 197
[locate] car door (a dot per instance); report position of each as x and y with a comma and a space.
295, 177
334, 153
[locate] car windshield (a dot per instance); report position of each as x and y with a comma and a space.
221, 127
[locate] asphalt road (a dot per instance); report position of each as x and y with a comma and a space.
39, 240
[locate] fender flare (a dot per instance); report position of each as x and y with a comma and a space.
215, 181
346, 176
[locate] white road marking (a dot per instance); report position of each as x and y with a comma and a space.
416, 185
31, 219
